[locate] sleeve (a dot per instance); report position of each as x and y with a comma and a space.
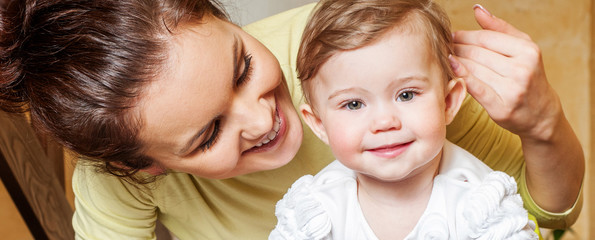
474, 130
494, 210
549, 219
300, 215
109, 208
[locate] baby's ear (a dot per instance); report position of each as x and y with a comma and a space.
313, 121
456, 90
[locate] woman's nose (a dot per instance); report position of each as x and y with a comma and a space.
255, 118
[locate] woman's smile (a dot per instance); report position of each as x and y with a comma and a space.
271, 139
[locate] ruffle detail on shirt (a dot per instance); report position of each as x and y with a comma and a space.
433, 227
300, 215
495, 211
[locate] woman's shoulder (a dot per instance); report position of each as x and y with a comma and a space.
281, 33
281, 23
106, 204
89, 181
101, 188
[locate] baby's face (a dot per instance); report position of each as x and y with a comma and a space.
382, 107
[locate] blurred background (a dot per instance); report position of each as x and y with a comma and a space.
564, 30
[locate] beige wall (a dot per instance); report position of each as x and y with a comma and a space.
589, 211
564, 30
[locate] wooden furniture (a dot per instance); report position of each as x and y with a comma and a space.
32, 172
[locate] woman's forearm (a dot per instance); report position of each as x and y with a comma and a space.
555, 167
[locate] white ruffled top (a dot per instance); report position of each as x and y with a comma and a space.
468, 201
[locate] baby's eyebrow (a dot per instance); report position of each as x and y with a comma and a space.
413, 78
410, 78
339, 92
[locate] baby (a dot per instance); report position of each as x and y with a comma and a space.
380, 92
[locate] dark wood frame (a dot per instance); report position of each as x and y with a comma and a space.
32, 179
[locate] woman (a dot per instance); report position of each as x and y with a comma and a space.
173, 89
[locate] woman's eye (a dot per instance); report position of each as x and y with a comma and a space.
405, 96
354, 105
212, 139
245, 76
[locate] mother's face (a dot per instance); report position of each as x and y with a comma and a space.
221, 107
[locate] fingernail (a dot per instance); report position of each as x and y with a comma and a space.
482, 9
453, 63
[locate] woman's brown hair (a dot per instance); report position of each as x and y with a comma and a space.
342, 25
79, 67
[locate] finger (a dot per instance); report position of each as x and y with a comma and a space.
482, 92
488, 21
498, 83
490, 59
501, 43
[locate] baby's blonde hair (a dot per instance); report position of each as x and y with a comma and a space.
340, 25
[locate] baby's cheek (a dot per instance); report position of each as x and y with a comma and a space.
344, 146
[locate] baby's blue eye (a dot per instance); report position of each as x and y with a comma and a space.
354, 105
405, 96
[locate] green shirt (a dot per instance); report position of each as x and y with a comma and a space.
243, 207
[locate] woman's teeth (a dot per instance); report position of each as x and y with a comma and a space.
272, 134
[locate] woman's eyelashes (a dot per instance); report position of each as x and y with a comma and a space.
212, 139
245, 76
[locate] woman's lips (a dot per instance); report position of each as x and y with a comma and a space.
390, 151
277, 132
272, 135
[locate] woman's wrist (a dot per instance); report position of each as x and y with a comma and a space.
549, 123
